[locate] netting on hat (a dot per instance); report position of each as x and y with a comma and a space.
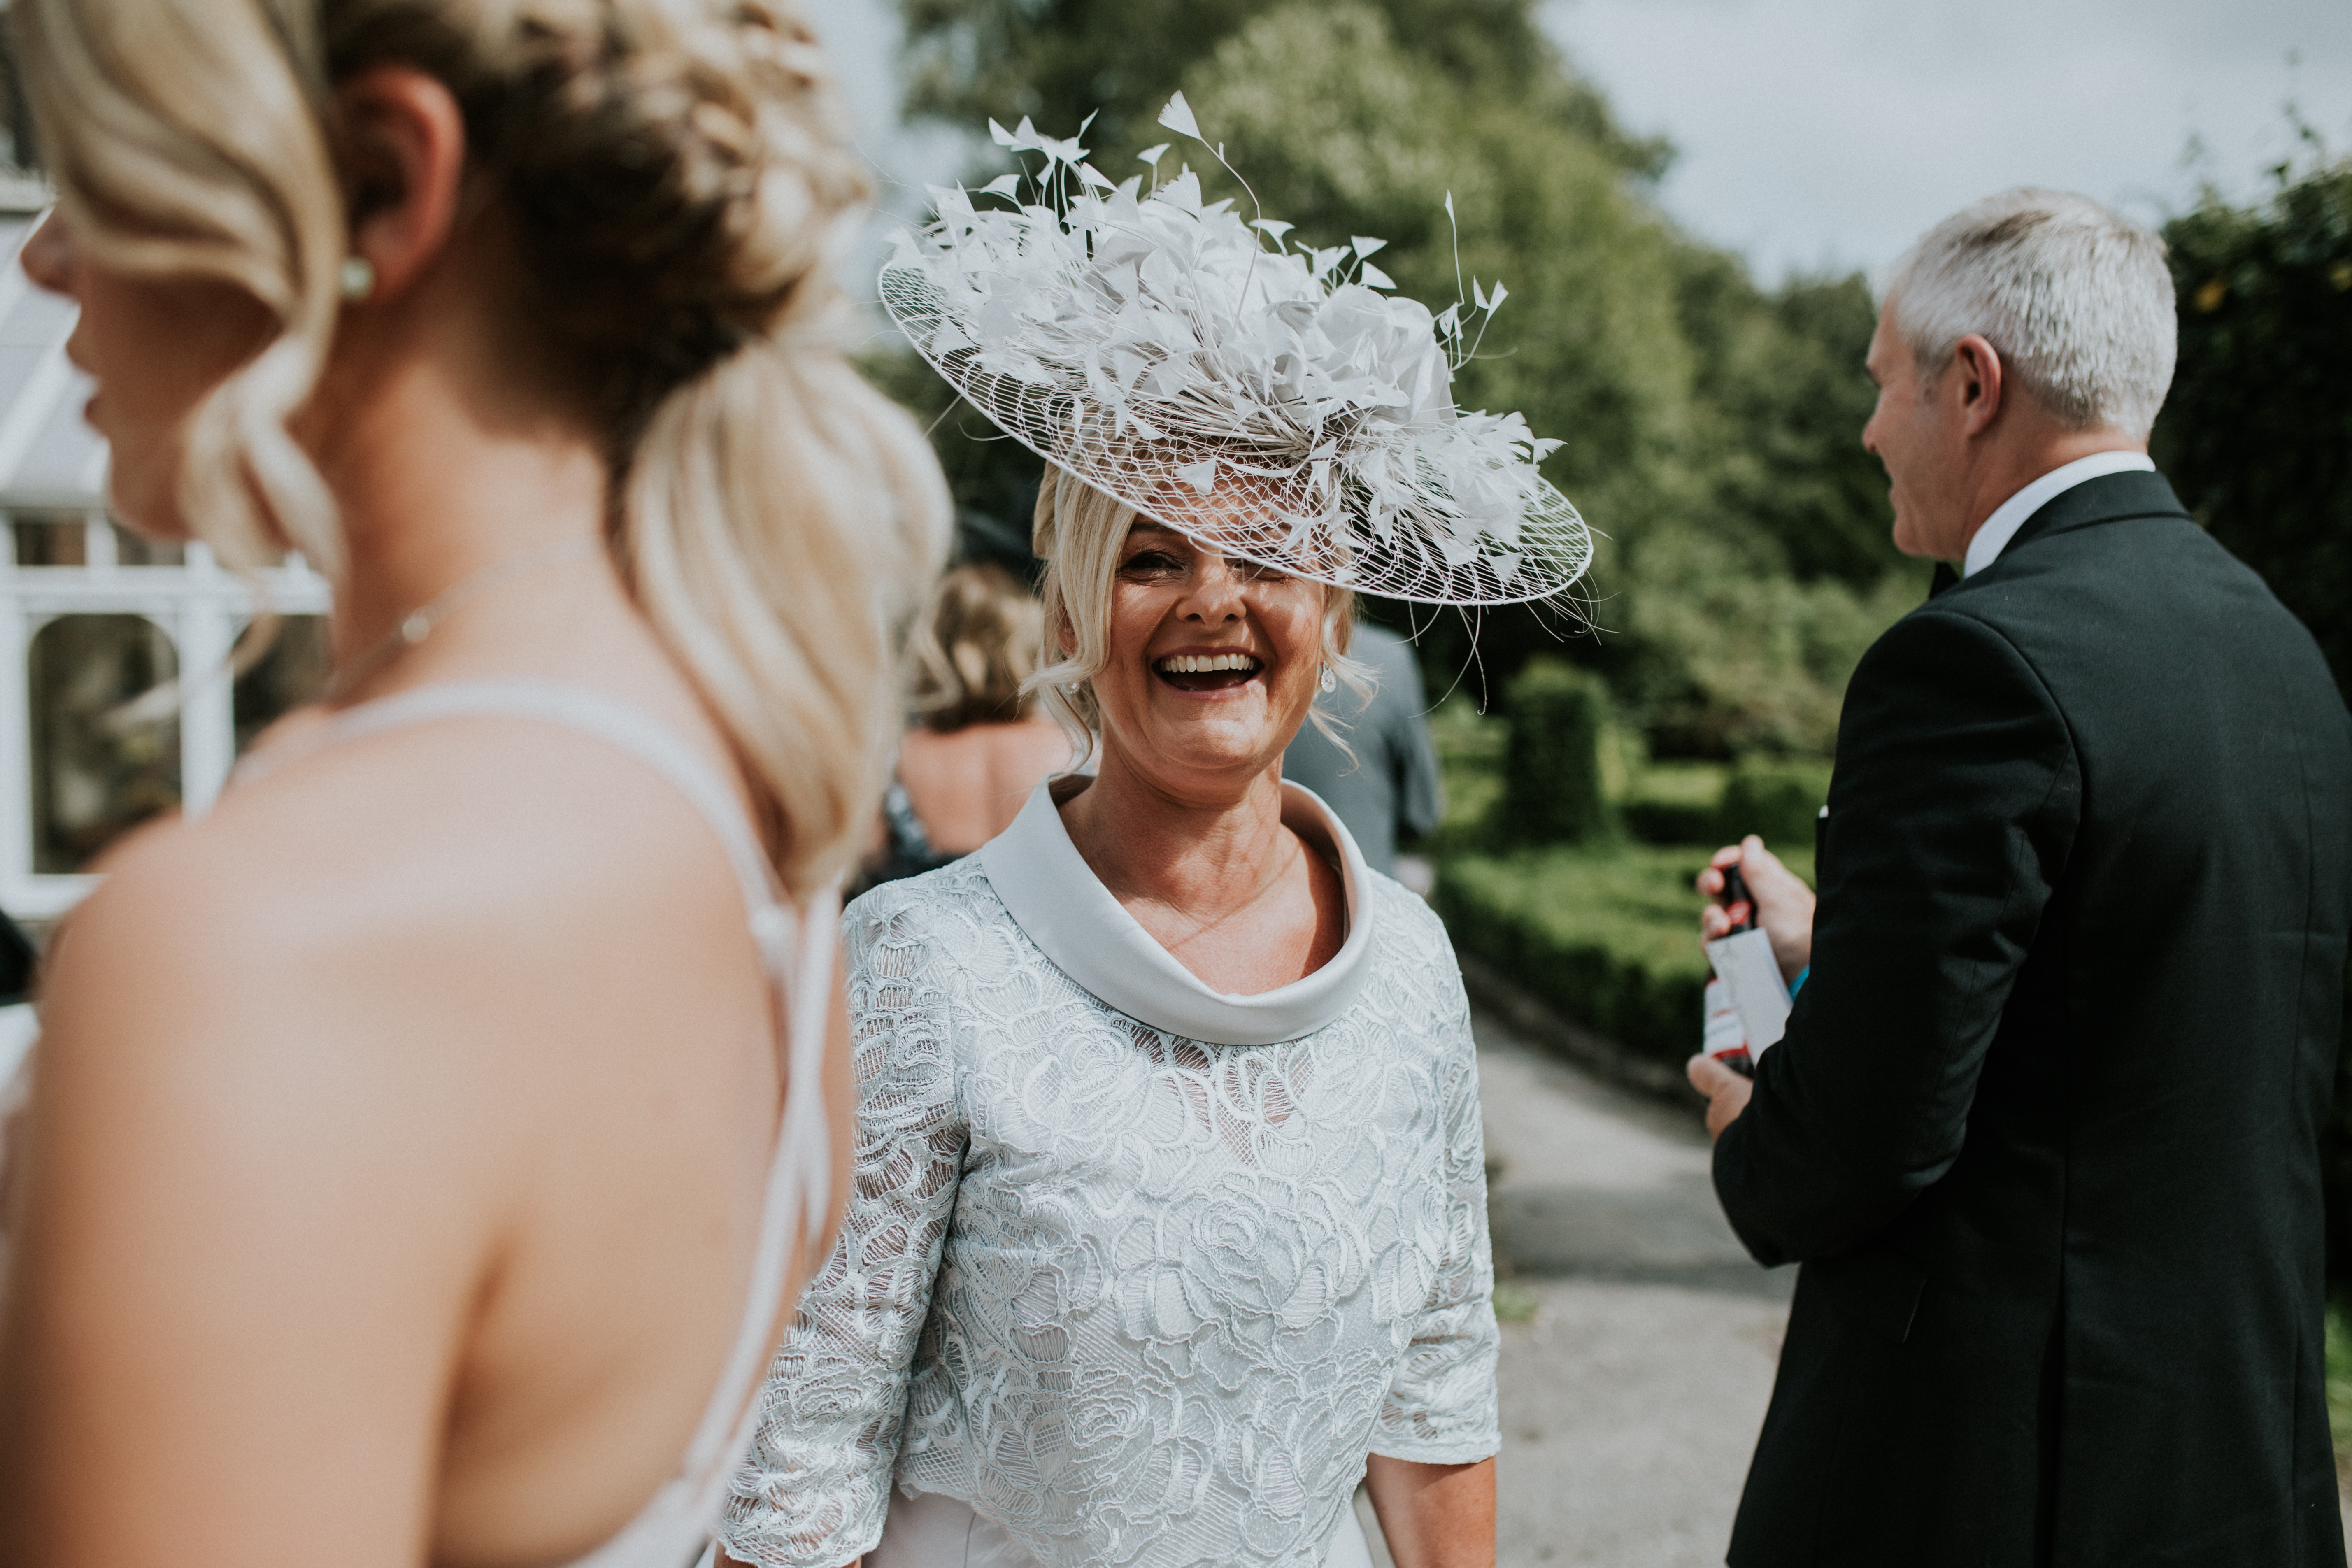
1272, 403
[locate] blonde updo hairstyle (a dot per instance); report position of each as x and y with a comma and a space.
679, 180
973, 649
1077, 533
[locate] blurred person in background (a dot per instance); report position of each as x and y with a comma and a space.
981, 745
413, 1168
1378, 772
2043, 1129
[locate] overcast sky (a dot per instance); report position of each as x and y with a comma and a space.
1828, 133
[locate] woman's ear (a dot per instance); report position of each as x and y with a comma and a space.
403, 146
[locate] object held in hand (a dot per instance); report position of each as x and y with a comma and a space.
1749, 978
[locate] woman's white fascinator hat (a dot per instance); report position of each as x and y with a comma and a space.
1272, 403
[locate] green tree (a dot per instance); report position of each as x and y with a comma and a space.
1060, 60
2257, 432
2257, 435
1710, 428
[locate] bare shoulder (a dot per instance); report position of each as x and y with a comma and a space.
370, 909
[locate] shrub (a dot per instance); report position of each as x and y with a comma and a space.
1607, 933
1676, 803
2257, 432
1551, 765
1775, 797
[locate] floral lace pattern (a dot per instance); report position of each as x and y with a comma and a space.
1137, 1299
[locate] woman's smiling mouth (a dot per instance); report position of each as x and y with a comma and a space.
1207, 671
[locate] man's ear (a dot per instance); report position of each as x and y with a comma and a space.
402, 141
1977, 375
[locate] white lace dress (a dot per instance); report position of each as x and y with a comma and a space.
1133, 1272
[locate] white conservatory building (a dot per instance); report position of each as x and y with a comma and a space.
93, 616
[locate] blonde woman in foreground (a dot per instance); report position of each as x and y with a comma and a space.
411, 1170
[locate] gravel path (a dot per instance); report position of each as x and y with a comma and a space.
1639, 1340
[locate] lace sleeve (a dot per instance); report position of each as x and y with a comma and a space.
1441, 1408
814, 1492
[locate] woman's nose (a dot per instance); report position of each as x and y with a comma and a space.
1216, 591
48, 256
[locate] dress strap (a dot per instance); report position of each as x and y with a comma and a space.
796, 949
574, 708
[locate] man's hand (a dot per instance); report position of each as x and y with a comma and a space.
1784, 905
1727, 1092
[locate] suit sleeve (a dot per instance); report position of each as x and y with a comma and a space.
1952, 811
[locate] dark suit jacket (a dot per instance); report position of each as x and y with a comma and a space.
2044, 1127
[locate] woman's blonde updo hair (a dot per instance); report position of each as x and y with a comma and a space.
1077, 533
973, 646
678, 180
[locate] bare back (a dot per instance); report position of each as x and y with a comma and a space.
417, 1106
969, 784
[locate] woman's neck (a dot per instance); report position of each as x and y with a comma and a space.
1215, 877
1208, 854
440, 461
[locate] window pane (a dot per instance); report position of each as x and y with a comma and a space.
95, 775
294, 672
136, 549
50, 541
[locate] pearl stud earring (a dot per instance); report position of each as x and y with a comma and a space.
359, 279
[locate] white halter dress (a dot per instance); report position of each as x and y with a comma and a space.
796, 949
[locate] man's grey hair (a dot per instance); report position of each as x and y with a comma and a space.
2076, 301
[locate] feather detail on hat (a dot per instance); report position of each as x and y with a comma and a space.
1274, 402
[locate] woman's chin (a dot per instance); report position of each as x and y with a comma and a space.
1243, 745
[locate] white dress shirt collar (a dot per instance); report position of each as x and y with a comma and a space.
2013, 513
1062, 906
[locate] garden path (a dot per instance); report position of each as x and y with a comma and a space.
1639, 1339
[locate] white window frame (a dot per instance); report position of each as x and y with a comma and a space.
198, 606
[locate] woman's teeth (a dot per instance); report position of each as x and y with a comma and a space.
1205, 664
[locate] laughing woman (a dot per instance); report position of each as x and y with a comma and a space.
1169, 1217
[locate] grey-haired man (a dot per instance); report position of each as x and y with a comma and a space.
2043, 1129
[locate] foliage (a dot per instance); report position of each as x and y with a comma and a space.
2257, 436
1711, 428
1551, 764
1059, 61
1608, 934
1676, 803
2257, 432
1777, 798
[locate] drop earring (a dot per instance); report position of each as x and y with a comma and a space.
358, 278
1329, 682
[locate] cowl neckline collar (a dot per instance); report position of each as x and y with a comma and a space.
1062, 906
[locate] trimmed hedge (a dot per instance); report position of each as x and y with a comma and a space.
1777, 798
1607, 933
1551, 764
1676, 803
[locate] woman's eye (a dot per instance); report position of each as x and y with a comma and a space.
1152, 562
